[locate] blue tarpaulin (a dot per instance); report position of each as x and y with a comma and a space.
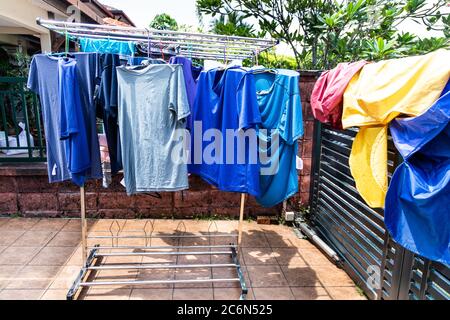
417, 209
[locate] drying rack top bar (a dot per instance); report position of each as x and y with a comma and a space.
182, 42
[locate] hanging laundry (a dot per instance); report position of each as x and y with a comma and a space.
126, 48
107, 104
278, 97
72, 122
418, 199
375, 96
137, 61
153, 106
43, 80
191, 82
215, 155
328, 92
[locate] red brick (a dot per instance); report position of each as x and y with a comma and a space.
116, 213
191, 212
116, 200
70, 187
71, 201
8, 203
35, 184
143, 201
38, 202
115, 185
307, 149
231, 212
304, 198
154, 213
196, 183
42, 214
225, 199
306, 166
309, 130
305, 184
258, 211
188, 199
7, 184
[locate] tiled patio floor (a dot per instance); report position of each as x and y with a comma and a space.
40, 258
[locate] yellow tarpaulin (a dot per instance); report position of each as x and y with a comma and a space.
375, 96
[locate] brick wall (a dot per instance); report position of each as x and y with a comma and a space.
24, 190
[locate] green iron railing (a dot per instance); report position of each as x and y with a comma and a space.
21, 131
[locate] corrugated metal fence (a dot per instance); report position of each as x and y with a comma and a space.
383, 269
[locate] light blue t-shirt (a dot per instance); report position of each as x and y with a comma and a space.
73, 122
107, 46
43, 80
153, 107
278, 97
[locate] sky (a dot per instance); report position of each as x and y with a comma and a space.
141, 12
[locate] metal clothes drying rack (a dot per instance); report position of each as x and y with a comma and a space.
195, 45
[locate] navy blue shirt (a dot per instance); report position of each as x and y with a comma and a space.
73, 122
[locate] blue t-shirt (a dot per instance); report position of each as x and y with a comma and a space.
278, 97
215, 157
43, 80
73, 122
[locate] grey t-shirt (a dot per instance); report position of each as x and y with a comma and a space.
153, 107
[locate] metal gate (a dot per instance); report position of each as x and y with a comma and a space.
383, 269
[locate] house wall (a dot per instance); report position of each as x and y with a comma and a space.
24, 190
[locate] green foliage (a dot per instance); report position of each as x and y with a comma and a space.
272, 60
322, 33
164, 21
232, 24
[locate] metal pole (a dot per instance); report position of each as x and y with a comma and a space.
241, 218
83, 226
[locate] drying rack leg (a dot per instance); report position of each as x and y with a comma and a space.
241, 218
83, 225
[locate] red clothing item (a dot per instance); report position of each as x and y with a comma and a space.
328, 92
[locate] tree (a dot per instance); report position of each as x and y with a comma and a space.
232, 24
322, 33
164, 21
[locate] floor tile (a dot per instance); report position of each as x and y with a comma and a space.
18, 255
34, 239
193, 294
310, 293
231, 294
333, 276
107, 294
300, 276
266, 276
151, 294
52, 256
34, 277
314, 257
277, 293
65, 277
19, 224
345, 293
193, 274
7, 273
21, 294
254, 239
49, 225
52, 294
8, 237
65, 239
288, 257
155, 275
259, 256
225, 273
